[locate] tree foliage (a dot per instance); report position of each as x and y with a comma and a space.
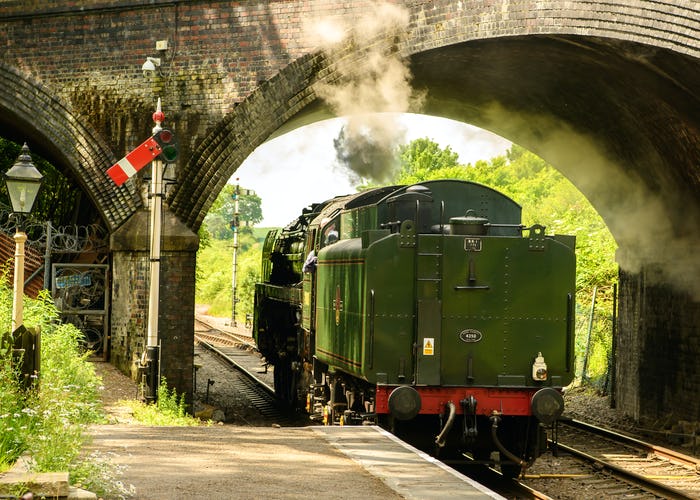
215, 279
422, 157
221, 214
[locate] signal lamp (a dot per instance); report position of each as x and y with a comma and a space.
168, 144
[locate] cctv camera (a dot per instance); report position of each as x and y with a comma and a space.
149, 67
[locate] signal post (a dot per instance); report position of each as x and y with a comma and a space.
161, 147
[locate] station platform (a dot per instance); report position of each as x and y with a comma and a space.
406, 470
373, 462
235, 462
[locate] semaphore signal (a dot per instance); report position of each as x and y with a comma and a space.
161, 145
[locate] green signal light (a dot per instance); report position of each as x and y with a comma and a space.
169, 153
166, 139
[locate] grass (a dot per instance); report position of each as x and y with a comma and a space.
47, 421
169, 409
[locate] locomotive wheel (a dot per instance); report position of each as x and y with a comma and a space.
285, 381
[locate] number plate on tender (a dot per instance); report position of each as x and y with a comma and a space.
472, 244
470, 336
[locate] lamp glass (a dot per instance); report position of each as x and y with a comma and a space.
22, 193
23, 181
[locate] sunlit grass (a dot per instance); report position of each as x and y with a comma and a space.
46, 422
169, 409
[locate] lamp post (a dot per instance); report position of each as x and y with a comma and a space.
23, 181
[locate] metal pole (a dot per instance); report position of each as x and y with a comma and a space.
590, 330
47, 257
156, 209
18, 288
613, 351
151, 354
234, 297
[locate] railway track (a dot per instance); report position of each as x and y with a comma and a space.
591, 462
210, 333
245, 381
596, 462
237, 352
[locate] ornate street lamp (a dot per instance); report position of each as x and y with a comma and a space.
23, 181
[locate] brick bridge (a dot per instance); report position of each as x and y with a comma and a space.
608, 92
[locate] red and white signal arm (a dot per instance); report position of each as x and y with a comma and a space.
134, 161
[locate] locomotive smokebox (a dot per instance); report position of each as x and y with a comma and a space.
404, 402
469, 224
416, 204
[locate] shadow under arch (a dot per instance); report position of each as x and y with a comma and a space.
621, 120
32, 113
618, 118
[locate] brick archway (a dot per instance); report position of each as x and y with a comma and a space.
449, 28
238, 71
32, 113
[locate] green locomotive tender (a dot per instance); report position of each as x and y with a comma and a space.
425, 301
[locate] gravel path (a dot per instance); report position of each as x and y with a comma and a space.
223, 461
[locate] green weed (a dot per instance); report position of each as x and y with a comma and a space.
169, 409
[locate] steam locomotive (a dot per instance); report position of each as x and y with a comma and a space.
428, 303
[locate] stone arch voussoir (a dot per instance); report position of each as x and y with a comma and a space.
32, 112
252, 122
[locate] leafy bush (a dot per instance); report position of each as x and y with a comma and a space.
47, 421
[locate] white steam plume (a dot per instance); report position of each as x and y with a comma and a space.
372, 78
644, 222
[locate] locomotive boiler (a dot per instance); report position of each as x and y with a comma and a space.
428, 303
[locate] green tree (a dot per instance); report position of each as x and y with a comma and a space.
423, 159
218, 220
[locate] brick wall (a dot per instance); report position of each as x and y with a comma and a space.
130, 293
176, 325
129, 312
658, 374
87, 62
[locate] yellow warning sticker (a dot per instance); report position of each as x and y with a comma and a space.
428, 346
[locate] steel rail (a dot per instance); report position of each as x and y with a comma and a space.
659, 451
242, 338
630, 477
208, 345
489, 476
